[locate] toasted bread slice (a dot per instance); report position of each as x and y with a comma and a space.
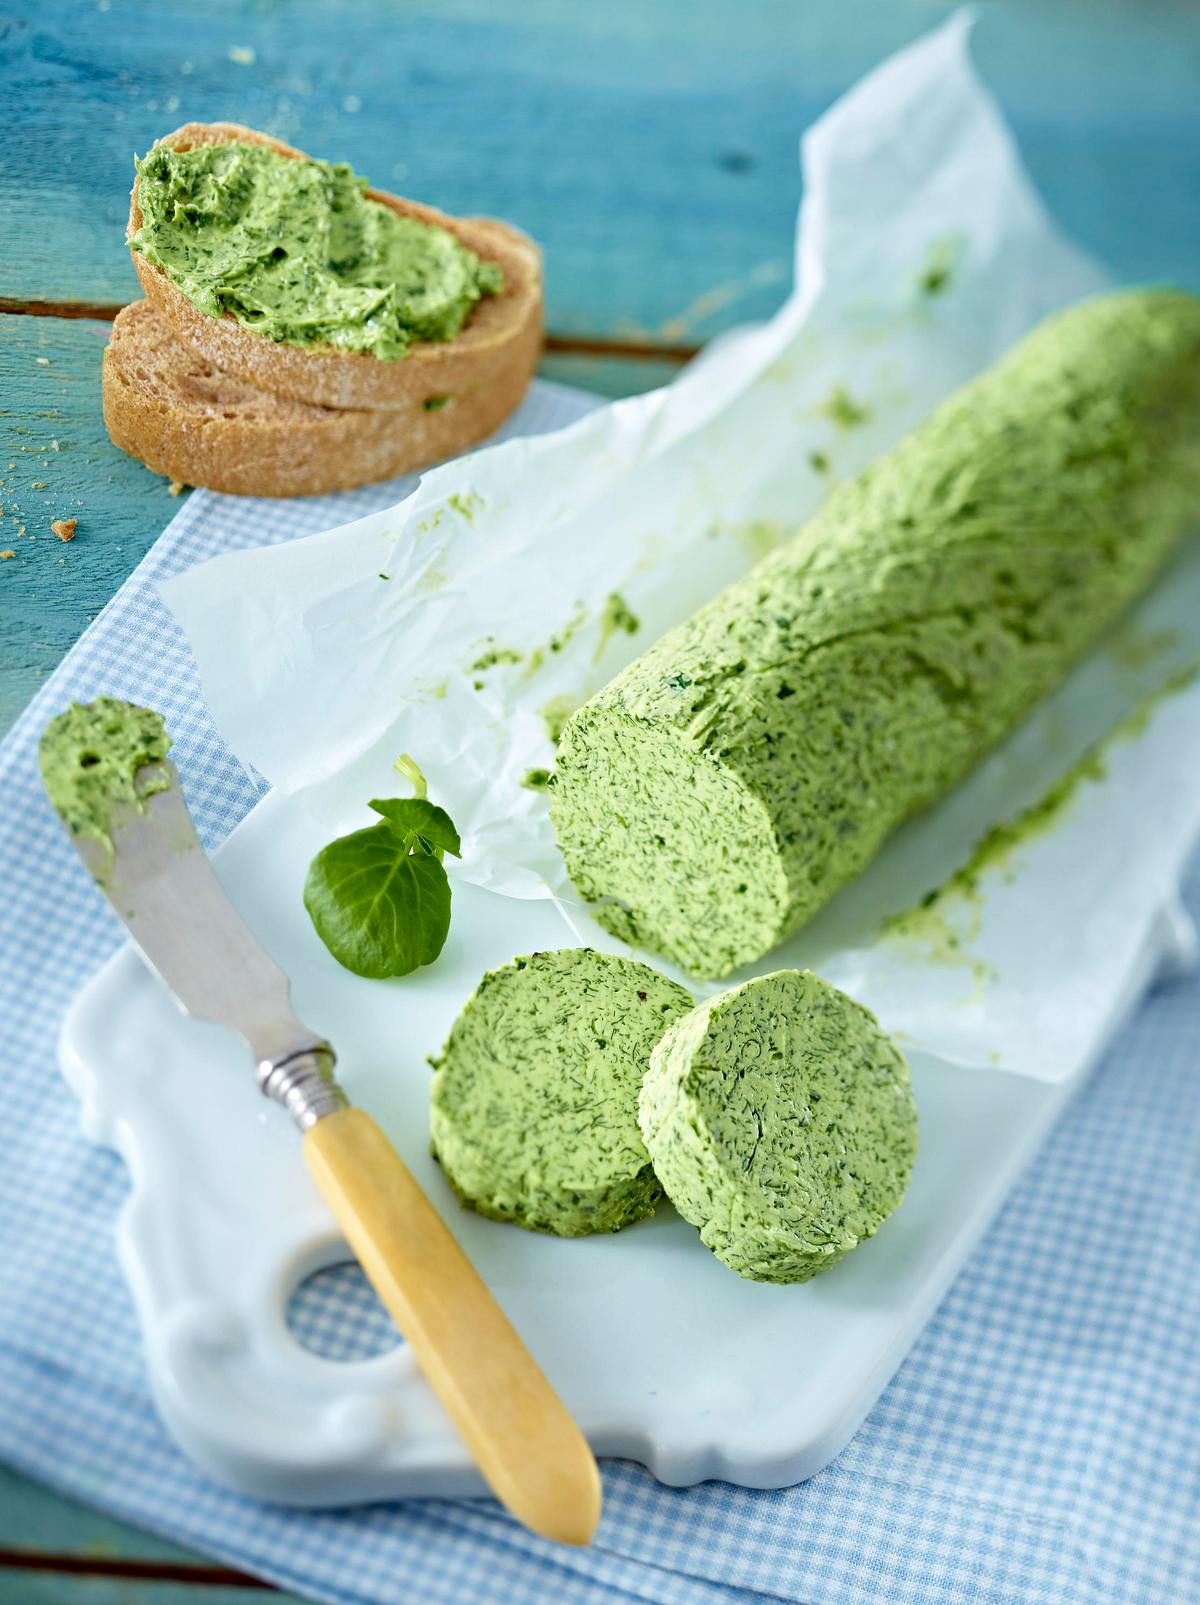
496, 350
170, 407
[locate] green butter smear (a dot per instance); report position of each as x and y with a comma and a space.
949, 917
294, 250
101, 759
721, 788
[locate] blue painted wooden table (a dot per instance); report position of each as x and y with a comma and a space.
650, 145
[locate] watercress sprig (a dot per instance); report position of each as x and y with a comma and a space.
380, 898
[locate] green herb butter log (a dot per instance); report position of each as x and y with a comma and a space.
722, 787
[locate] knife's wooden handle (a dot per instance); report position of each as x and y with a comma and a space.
533, 1456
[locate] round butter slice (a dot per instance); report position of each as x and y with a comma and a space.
781, 1122
533, 1108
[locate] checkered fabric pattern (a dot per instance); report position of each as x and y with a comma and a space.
1040, 1446
335, 1313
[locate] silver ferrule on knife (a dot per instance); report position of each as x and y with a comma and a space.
304, 1083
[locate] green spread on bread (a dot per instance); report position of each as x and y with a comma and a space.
295, 250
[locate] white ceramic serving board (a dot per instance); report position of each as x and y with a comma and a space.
663, 1355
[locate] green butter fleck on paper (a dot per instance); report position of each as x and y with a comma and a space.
937, 924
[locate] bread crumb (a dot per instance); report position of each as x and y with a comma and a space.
64, 528
176, 488
42, 362
5, 555
39, 484
54, 445
243, 55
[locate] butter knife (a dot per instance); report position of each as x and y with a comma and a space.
151, 867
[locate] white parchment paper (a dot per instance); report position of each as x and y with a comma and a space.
922, 254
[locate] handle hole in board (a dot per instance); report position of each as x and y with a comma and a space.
334, 1313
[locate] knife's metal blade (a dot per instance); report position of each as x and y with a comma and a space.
163, 889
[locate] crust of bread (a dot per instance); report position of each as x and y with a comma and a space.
497, 348
167, 405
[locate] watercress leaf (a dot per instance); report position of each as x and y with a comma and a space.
380, 909
414, 817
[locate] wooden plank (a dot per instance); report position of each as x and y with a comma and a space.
57, 1552
607, 376
34, 1519
650, 147
483, 115
56, 1588
76, 1586
56, 461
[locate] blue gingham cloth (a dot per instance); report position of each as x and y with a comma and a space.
1041, 1443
